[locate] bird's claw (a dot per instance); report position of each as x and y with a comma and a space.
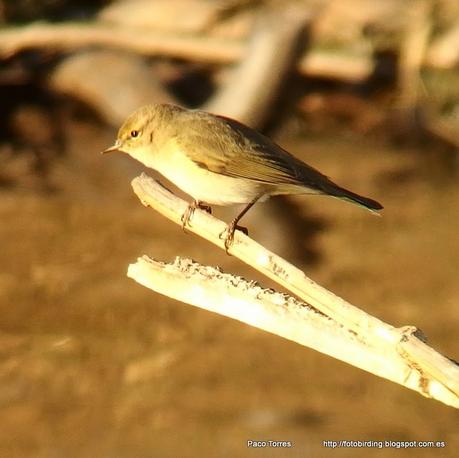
229, 238
186, 217
188, 214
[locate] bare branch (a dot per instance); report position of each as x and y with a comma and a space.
396, 354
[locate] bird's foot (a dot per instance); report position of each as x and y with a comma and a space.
229, 231
186, 217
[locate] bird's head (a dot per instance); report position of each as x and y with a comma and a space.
138, 134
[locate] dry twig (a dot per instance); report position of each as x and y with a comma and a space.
395, 354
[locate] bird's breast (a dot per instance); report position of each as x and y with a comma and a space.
202, 184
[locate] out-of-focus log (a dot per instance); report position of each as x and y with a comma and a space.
69, 37
253, 86
111, 82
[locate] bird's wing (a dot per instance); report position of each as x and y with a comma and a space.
225, 146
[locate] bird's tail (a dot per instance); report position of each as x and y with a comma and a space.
344, 194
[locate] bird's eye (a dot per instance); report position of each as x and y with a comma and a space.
135, 133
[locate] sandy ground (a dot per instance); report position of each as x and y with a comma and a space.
93, 364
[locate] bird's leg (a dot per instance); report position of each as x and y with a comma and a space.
233, 225
186, 217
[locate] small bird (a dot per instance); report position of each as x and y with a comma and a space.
220, 161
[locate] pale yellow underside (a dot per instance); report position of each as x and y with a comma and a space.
201, 184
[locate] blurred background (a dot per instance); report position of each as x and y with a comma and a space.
92, 364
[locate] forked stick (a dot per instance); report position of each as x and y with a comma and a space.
324, 322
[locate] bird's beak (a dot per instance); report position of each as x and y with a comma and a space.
113, 148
